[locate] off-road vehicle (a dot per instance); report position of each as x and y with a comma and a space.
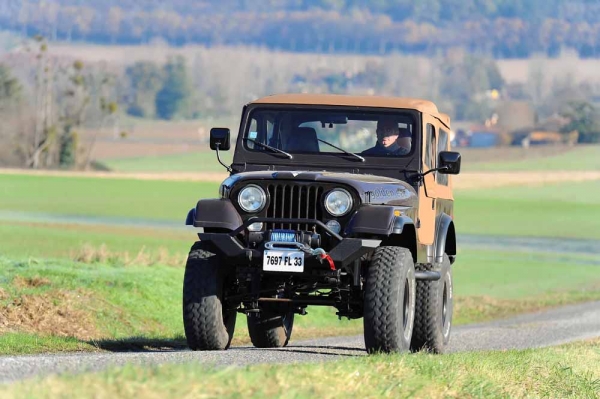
319, 211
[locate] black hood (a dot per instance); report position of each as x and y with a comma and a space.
371, 189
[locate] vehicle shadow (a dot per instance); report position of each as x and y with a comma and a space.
145, 344
140, 344
307, 351
337, 348
318, 350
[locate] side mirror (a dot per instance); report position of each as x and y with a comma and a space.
449, 163
219, 138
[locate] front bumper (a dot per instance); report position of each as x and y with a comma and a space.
344, 253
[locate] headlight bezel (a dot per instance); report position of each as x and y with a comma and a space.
350, 202
263, 197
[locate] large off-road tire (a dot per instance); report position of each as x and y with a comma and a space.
389, 306
270, 329
433, 314
208, 322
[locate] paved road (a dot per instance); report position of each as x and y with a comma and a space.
552, 327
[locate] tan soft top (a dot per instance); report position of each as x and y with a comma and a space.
424, 106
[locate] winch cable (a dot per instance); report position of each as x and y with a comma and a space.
320, 252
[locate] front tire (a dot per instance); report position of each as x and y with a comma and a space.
433, 317
209, 323
389, 300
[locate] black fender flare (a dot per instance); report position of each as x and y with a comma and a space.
214, 213
445, 238
377, 220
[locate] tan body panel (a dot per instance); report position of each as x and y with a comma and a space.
434, 198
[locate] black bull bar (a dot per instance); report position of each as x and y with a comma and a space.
343, 254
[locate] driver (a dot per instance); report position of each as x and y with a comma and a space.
391, 140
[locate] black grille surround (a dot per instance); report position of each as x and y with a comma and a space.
295, 200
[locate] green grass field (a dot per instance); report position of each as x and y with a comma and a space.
54, 240
122, 267
577, 159
556, 210
205, 161
98, 197
561, 372
103, 304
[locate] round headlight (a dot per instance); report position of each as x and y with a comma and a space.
252, 198
338, 202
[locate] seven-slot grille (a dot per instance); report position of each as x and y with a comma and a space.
294, 201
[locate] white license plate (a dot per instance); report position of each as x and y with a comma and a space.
283, 261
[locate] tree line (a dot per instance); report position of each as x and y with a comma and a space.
47, 102
45, 109
502, 28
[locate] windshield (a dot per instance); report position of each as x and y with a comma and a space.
369, 134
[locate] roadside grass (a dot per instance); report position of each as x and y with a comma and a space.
565, 371
579, 158
204, 161
567, 210
57, 305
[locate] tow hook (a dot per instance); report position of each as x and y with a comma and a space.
320, 252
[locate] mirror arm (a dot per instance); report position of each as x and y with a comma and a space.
221, 162
434, 170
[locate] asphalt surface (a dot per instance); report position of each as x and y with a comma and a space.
541, 329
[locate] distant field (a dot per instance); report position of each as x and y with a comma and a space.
144, 129
137, 137
149, 199
201, 161
556, 158
101, 304
540, 158
554, 210
557, 210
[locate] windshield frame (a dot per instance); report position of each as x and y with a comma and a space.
329, 160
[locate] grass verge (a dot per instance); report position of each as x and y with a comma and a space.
564, 371
100, 242
64, 305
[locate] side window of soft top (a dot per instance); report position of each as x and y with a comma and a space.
430, 147
442, 145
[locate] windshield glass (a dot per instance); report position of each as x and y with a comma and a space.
307, 131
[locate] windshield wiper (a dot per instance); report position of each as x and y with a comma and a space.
344, 151
287, 154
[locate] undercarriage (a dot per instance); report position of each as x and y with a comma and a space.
289, 268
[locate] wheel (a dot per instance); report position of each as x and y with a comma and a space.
389, 307
433, 316
270, 329
208, 322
